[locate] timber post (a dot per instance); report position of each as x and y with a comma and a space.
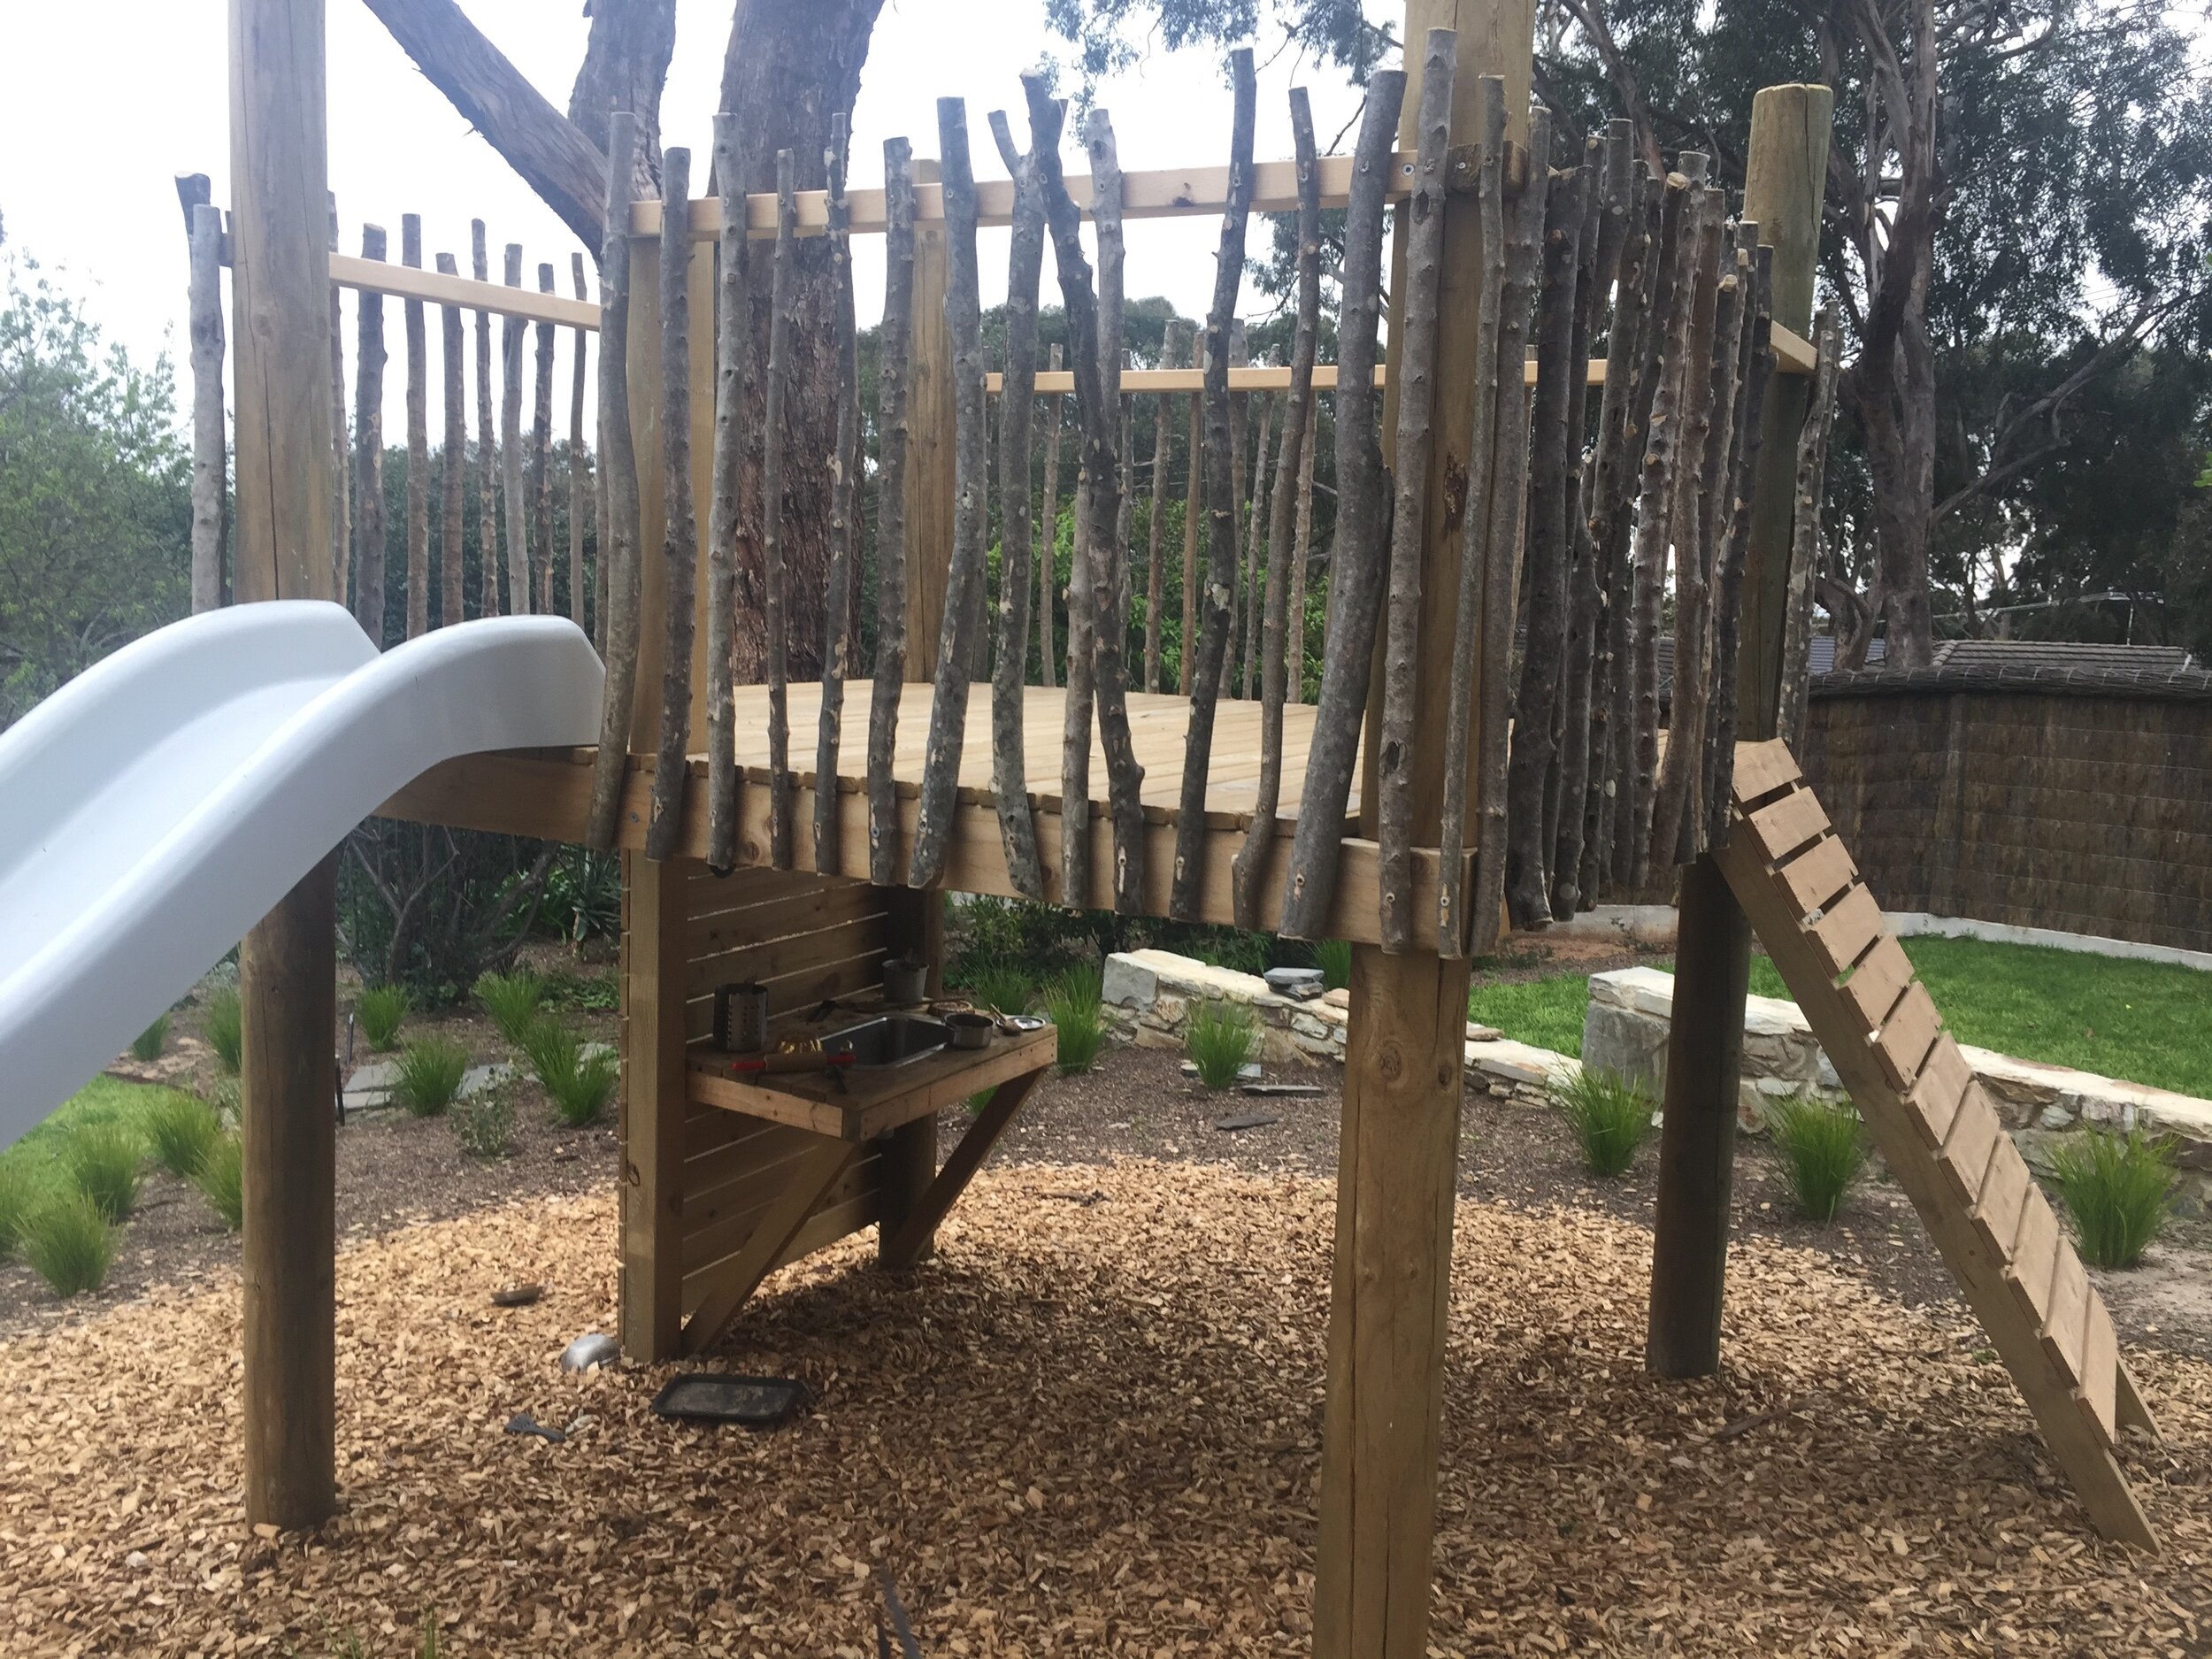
1398, 1158
916, 924
1784, 171
287, 968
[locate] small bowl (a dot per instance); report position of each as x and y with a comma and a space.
970, 1030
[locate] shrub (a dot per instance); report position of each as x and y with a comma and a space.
1334, 957
149, 1042
17, 1194
179, 1131
1610, 1115
484, 1124
583, 895
1823, 1148
71, 1243
2119, 1190
1073, 1005
381, 1010
579, 1083
224, 1026
102, 1162
1219, 1037
430, 1073
222, 1180
511, 1000
1002, 986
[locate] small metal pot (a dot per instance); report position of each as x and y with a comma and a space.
970, 1030
905, 980
740, 1017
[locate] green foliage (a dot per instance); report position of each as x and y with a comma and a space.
579, 1082
19, 1197
988, 932
71, 1244
1072, 1002
511, 1000
223, 1024
1610, 1115
430, 1073
484, 1124
222, 1180
149, 1044
103, 1162
2119, 1189
599, 993
1822, 1146
179, 1131
1002, 986
1219, 1037
583, 895
381, 1008
1334, 957
94, 502
430, 907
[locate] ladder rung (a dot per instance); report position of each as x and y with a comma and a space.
2099, 1391
1816, 875
2034, 1254
2066, 1325
1877, 983
2004, 1190
1974, 1132
1936, 1093
1786, 823
1907, 1035
1843, 933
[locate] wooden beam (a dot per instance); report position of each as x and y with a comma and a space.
287, 967
656, 924
811, 1175
910, 1237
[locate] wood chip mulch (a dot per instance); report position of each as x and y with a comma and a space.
1091, 1426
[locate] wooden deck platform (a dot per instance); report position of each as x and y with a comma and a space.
545, 794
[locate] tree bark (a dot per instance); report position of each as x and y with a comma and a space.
776, 581
894, 424
341, 458
453, 481
1049, 541
1194, 514
210, 471
580, 490
839, 647
415, 328
733, 373
1755, 366
1812, 465
542, 458
368, 450
487, 543
624, 67
511, 333
680, 545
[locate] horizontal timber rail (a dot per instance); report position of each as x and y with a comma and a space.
411, 282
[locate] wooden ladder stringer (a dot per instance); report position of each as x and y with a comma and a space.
1936, 1129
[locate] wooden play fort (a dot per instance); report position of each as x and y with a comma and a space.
1595, 420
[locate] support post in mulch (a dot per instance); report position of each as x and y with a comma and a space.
838, 644
894, 423
1293, 476
619, 489
1361, 509
733, 390
680, 545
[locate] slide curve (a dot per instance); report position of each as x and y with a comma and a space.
156, 807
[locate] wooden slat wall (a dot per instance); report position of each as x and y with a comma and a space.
2089, 814
805, 937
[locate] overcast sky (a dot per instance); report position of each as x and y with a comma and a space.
111, 98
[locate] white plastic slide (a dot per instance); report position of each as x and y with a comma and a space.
159, 804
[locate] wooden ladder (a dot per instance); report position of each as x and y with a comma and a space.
1936, 1128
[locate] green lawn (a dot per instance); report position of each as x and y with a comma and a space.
103, 1100
2148, 1022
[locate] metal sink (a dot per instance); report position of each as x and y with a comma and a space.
889, 1039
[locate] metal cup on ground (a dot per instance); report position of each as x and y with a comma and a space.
740, 1017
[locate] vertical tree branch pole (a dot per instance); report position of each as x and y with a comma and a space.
1424, 217
1784, 171
1294, 474
1527, 892
1194, 512
733, 389
1256, 555
1301, 552
1010, 782
1754, 372
1812, 465
513, 330
1170, 345
1474, 525
368, 448
775, 578
487, 440
1355, 583
1498, 577
957, 646
1670, 332
1110, 512
1582, 715
417, 437
838, 643
579, 489
453, 474
1240, 434
287, 967
618, 486
542, 458
895, 426
1731, 364
680, 543
211, 470
1049, 539
1619, 806
341, 454
1208, 667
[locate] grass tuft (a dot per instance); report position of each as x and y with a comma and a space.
222, 1180
381, 1010
1610, 1115
2119, 1189
1219, 1037
1072, 1002
1823, 1148
148, 1045
178, 1130
103, 1162
579, 1083
1334, 957
224, 1026
484, 1124
430, 1073
71, 1243
1002, 986
511, 1000
18, 1195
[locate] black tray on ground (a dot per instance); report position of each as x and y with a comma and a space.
723, 1397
